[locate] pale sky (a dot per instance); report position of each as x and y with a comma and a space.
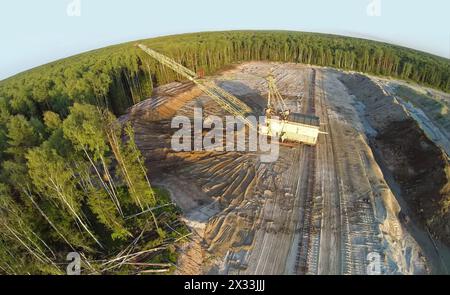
37, 32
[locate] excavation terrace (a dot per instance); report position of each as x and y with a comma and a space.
327, 208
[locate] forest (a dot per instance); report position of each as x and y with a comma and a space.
72, 178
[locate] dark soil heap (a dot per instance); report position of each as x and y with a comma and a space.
420, 168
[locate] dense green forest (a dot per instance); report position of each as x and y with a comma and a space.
72, 178
121, 75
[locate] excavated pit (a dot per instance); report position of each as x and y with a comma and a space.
316, 210
416, 163
418, 166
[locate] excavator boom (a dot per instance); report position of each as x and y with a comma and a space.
226, 100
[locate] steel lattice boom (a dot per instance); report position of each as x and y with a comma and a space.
275, 102
226, 100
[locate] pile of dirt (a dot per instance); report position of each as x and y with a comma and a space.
419, 167
159, 107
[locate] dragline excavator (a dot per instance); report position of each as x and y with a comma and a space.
280, 121
226, 100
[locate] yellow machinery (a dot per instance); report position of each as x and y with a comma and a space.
226, 100
280, 121
287, 125
275, 102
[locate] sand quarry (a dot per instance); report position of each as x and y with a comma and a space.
324, 209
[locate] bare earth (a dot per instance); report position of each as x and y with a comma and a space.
317, 210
